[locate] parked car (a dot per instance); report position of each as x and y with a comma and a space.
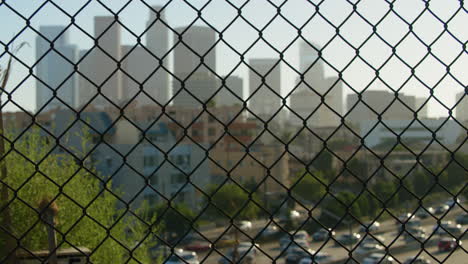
380, 258
417, 260
371, 226
302, 235
270, 230
347, 239
318, 258
451, 202
447, 226
373, 240
244, 256
462, 219
289, 245
249, 246
225, 241
425, 212
411, 224
366, 249
323, 234
415, 236
404, 218
452, 230
447, 244
245, 225
295, 254
442, 209
198, 245
189, 257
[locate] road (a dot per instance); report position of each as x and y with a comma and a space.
270, 251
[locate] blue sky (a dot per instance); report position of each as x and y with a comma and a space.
280, 34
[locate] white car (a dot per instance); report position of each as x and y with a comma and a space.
245, 225
189, 257
372, 227
378, 258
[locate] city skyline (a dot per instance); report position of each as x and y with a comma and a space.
376, 50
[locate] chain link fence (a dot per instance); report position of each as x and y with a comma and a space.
233, 132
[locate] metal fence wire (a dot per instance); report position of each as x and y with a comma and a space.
153, 151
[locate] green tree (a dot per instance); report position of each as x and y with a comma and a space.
87, 210
456, 172
176, 219
422, 182
324, 162
310, 187
342, 206
385, 192
356, 168
231, 200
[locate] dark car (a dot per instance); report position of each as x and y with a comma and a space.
295, 255
323, 234
462, 219
424, 213
347, 239
418, 236
447, 244
441, 209
452, 230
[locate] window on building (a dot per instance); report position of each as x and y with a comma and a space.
178, 178
211, 119
108, 162
211, 131
150, 161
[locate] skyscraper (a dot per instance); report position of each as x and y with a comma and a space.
138, 66
375, 102
311, 65
424, 112
85, 90
462, 107
232, 96
99, 67
106, 57
266, 98
306, 100
55, 69
157, 41
194, 65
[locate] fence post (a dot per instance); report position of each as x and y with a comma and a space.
48, 212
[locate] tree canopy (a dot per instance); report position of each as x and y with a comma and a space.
86, 207
232, 200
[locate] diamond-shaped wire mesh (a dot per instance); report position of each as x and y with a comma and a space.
145, 146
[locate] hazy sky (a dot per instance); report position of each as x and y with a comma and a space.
429, 74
